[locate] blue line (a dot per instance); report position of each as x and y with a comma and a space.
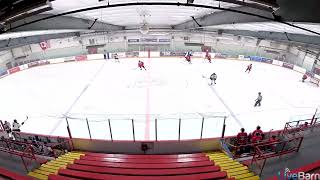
227, 107
85, 89
77, 99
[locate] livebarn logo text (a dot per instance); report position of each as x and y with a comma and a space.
287, 175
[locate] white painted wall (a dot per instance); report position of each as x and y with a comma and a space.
5, 57
308, 62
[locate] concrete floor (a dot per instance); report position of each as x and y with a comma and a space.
309, 153
15, 164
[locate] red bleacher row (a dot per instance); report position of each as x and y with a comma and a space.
133, 167
11, 175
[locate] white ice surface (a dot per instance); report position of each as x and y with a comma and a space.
170, 89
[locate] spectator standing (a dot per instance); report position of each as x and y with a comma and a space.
16, 126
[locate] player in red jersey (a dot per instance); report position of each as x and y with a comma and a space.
242, 137
242, 140
208, 56
141, 65
249, 67
256, 138
273, 139
304, 77
258, 130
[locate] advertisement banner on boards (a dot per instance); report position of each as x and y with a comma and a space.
220, 55
287, 65
133, 40
69, 59
3, 73
33, 64
43, 62
132, 54
178, 54
165, 53
164, 40
261, 59
198, 54
316, 70
14, 70
81, 58
269, 61
148, 40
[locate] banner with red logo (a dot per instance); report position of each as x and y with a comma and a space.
14, 70
44, 45
81, 58
287, 65
33, 64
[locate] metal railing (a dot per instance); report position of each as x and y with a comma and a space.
23, 150
297, 128
231, 145
262, 152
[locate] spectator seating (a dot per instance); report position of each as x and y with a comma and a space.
53, 166
4, 173
130, 167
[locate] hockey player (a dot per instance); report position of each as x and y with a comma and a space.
304, 77
249, 67
188, 56
257, 138
7, 126
213, 78
258, 130
16, 126
258, 100
141, 65
242, 139
116, 57
208, 56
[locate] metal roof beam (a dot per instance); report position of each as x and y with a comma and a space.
63, 22
298, 39
225, 17
17, 42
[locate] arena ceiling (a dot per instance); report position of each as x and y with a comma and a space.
267, 19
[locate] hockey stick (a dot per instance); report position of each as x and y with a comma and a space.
204, 77
25, 120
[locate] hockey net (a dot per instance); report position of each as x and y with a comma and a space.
315, 81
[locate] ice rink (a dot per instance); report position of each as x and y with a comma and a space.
170, 89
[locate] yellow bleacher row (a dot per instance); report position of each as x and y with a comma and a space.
53, 166
233, 168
